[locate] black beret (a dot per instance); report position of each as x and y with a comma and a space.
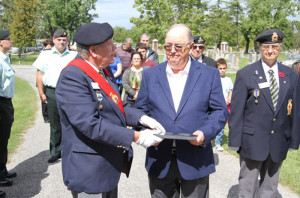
93, 34
60, 33
270, 36
199, 40
4, 34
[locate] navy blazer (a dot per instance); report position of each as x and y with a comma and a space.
256, 128
96, 145
202, 107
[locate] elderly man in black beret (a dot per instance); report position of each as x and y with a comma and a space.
7, 89
264, 118
96, 143
49, 65
197, 52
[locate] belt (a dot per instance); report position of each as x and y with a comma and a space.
49, 87
4, 99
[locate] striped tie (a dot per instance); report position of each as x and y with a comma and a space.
273, 88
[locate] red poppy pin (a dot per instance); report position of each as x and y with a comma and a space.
281, 74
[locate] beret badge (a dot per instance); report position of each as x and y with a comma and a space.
200, 40
274, 37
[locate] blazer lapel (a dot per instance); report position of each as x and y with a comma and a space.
164, 83
193, 76
260, 77
283, 86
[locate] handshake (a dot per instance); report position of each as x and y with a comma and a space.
148, 137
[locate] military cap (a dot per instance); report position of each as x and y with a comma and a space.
4, 34
270, 36
93, 34
60, 33
199, 40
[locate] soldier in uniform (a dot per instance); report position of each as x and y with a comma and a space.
197, 52
7, 89
49, 65
264, 118
96, 144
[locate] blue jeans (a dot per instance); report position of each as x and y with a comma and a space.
219, 138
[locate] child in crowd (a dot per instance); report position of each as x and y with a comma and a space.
227, 87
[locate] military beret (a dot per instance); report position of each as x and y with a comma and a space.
270, 36
60, 33
93, 34
199, 40
4, 34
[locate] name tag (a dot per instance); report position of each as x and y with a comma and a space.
264, 85
95, 85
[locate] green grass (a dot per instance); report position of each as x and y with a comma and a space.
290, 169
25, 106
28, 59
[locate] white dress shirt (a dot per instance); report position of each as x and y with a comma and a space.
275, 70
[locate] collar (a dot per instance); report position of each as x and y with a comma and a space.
54, 51
4, 56
184, 71
267, 68
93, 66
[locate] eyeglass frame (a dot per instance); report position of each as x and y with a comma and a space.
273, 47
201, 47
181, 46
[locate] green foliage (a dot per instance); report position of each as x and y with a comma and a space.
5, 13
25, 23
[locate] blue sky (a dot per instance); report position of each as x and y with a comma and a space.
116, 12
119, 12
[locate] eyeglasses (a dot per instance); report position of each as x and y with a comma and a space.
8, 39
178, 47
200, 47
273, 47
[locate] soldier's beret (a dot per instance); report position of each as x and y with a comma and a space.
270, 36
60, 33
4, 34
93, 34
199, 40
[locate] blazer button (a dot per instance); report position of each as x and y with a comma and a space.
272, 132
274, 119
175, 121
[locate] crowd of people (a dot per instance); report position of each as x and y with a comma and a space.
100, 99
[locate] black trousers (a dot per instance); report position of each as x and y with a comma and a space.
54, 119
6, 121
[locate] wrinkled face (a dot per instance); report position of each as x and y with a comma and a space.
127, 46
5, 44
270, 53
60, 43
198, 50
177, 48
143, 52
222, 69
146, 40
103, 54
136, 60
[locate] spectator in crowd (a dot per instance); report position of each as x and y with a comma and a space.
151, 54
186, 97
96, 142
7, 90
227, 87
124, 53
132, 78
49, 65
142, 48
197, 52
264, 118
297, 68
116, 68
47, 44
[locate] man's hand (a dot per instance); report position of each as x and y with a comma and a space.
148, 138
43, 98
152, 124
200, 138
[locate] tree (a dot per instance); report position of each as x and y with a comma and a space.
24, 23
66, 14
6, 9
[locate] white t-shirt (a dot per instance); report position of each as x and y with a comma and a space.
226, 86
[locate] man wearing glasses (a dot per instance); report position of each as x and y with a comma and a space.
197, 52
264, 118
186, 97
7, 89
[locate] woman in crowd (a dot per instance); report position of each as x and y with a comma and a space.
116, 68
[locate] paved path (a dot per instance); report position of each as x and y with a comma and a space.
36, 178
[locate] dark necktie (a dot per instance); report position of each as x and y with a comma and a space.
274, 90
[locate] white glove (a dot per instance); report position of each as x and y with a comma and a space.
148, 138
152, 124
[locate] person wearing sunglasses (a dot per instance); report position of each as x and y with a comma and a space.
7, 89
197, 52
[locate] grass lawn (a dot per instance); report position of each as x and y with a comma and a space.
28, 59
25, 106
